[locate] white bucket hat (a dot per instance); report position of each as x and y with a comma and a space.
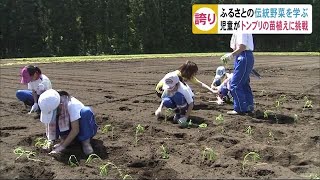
221, 70
48, 103
170, 80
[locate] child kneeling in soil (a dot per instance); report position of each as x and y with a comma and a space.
176, 96
37, 84
221, 83
67, 117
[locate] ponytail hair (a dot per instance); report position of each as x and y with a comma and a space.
63, 93
33, 69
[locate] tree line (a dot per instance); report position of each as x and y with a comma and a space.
30, 28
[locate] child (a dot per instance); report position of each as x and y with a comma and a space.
186, 72
37, 84
221, 83
67, 117
178, 97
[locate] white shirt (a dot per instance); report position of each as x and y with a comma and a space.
186, 92
74, 108
40, 85
239, 38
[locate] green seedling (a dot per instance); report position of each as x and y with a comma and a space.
249, 130
108, 128
92, 157
139, 130
72, 163
208, 153
267, 113
314, 176
42, 143
253, 156
271, 135
280, 101
19, 151
105, 169
307, 103
220, 119
168, 113
203, 125
164, 152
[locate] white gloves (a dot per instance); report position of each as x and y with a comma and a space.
158, 112
34, 108
227, 57
57, 149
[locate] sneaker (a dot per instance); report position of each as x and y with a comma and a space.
86, 147
235, 113
232, 112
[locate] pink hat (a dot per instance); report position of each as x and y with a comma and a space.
25, 76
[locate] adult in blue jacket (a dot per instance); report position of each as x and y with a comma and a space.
242, 46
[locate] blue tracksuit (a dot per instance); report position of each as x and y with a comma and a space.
25, 96
87, 125
240, 82
176, 101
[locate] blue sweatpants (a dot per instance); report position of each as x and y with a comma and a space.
240, 82
87, 125
25, 96
176, 101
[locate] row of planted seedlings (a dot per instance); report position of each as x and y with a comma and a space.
278, 104
43, 143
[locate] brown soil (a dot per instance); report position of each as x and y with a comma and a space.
122, 94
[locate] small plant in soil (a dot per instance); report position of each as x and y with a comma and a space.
42, 143
307, 103
267, 113
314, 176
168, 113
203, 125
279, 102
139, 130
220, 121
19, 151
249, 131
73, 161
108, 128
92, 157
208, 153
164, 152
250, 157
105, 169
271, 135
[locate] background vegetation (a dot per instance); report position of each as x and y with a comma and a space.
33, 28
